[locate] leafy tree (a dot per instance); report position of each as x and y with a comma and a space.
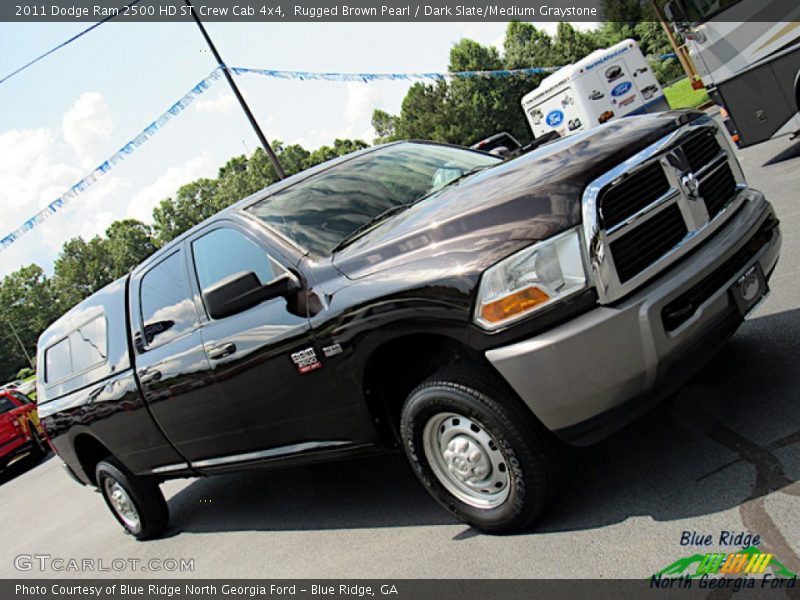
81, 269
27, 304
571, 45
525, 47
464, 110
340, 148
193, 203
384, 125
128, 242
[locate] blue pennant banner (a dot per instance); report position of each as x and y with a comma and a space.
369, 77
120, 155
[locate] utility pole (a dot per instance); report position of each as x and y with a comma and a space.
21, 345
260, 134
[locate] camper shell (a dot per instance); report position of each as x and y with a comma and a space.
607, 84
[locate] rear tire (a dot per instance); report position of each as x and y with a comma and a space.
478, 451
136, 502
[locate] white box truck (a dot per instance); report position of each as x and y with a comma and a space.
607, 84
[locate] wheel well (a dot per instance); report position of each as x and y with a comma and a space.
89, 452
398, 366
797, 90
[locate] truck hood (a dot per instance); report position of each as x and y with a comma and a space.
490, 214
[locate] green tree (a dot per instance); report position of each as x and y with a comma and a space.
193, 203
525, 46
128, 242
28, 305
81, 269
340, 148
384, 124
463, 110
571, 45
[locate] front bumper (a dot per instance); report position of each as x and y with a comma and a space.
594, 374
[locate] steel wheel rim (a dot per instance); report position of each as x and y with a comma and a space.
122, 504
466, 460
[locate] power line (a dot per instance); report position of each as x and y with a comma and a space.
65, 43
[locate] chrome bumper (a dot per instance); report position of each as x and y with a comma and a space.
592, 375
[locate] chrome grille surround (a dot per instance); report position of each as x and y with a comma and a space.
684, 192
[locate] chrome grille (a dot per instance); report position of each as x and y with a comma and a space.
618, 203
655, 207
644, 245
701, 149
718, 189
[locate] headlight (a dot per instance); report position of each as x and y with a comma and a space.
530, 280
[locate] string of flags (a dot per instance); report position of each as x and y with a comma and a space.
369, 77
203, 86
103, 168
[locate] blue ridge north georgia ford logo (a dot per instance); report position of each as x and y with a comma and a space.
555, 118
621, 89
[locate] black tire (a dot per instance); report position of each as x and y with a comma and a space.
144, 495
534, 458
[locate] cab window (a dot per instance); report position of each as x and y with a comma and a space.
225, 252
167, 310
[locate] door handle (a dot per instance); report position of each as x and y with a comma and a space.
222, 351
148, 376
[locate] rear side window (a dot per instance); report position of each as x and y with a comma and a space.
83, 348
87, 345
225, 252
167, 310
58, 364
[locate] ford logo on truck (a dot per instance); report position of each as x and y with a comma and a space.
621, 89
555, 118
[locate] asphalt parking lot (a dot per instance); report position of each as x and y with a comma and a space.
723, 454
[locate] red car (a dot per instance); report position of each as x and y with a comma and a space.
20, 431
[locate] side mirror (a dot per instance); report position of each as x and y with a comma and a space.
243, 290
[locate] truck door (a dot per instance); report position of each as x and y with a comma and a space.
264, 360
172, 366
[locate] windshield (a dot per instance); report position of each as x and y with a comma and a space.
318, 212
698, 11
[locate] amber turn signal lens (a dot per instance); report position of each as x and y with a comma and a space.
513, 304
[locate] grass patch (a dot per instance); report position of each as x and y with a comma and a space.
682, 95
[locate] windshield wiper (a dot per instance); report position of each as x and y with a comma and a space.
362, 229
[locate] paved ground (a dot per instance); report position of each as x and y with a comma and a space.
722, 455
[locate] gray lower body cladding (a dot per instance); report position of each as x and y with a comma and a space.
594, 374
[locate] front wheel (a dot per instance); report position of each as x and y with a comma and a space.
135, 502
480, 453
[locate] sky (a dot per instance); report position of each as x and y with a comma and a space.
68, 113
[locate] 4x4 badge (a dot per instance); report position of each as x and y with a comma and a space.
306, 360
